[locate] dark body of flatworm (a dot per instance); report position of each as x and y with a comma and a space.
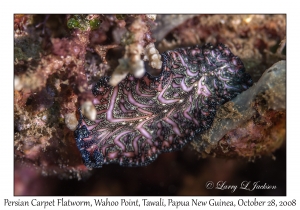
141, 118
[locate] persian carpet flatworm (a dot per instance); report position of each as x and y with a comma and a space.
141, 118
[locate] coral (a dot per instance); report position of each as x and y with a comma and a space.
140, 118
253, 123
88, 110
135, 40
152, 54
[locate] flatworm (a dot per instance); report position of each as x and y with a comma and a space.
141, 118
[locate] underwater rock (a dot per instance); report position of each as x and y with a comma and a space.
165, 23
253, 123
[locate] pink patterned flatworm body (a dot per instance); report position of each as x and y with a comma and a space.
141, 118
